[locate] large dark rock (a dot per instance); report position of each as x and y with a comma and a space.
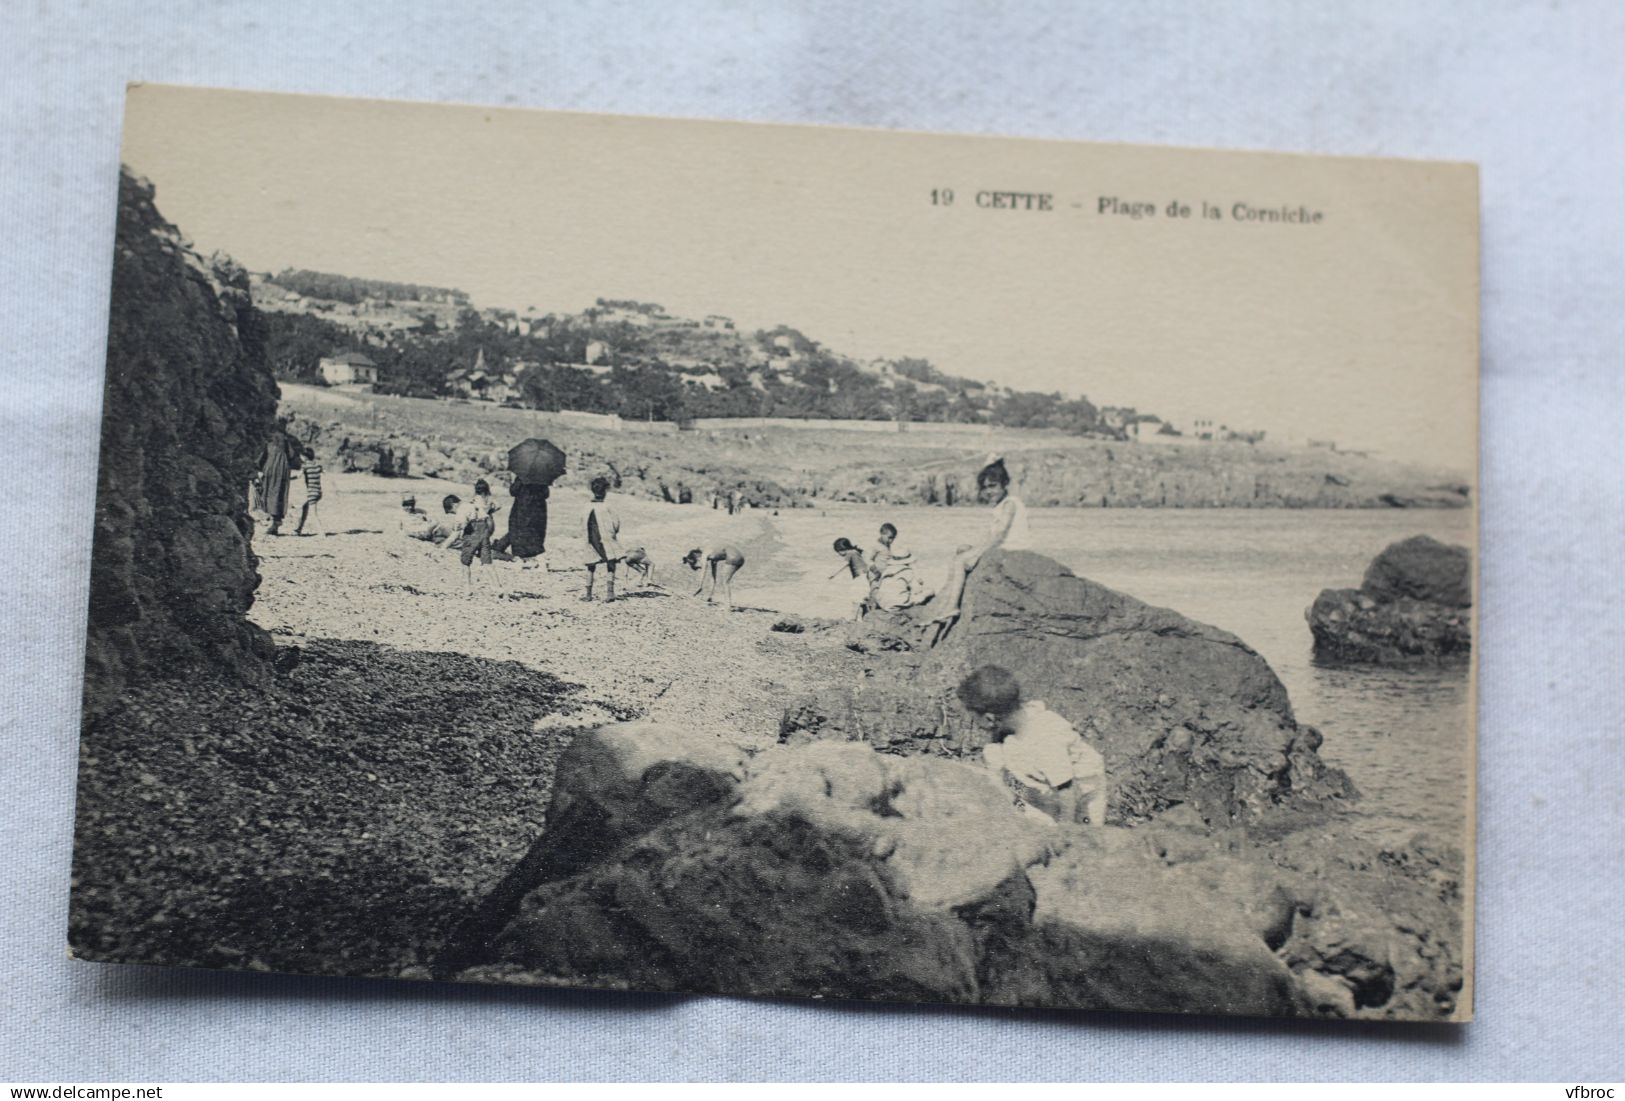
824, 870
1414, 607
1182, 712
612, 786
386, 458
674, 861
1378, 927
1422, 568
1136, 919
188, 405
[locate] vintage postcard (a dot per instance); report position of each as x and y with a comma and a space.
643, 554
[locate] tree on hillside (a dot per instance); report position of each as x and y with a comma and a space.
346, 288
295, 343
649, 393
555, 388
922, 370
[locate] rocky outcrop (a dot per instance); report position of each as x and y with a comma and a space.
1182, 712
188, 404
822, 870
374, 457
674, 861
1421, 568
1413, 607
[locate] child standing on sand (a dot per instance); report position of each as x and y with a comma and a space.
312, 471
602, 528
1040, 756
477, 523
855, 589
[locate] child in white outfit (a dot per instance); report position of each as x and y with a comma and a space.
1040, 755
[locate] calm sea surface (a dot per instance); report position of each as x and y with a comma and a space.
1404, 736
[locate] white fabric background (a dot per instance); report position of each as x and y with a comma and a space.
1534, 92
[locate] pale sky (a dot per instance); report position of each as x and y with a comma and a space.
1361, 329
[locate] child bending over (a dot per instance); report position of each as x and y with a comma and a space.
1041, 757
638, 561
719, 564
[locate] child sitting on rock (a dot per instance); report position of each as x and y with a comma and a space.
1042, 758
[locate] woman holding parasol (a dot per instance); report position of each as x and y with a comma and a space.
536, 465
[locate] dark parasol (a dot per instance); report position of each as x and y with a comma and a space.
536, 462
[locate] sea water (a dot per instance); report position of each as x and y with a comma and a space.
1404, 736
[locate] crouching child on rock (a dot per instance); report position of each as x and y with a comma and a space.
1042, 759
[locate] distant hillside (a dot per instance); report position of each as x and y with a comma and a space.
789, 468
345, 288
634, 359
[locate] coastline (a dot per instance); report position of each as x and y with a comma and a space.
414, 740
814, 467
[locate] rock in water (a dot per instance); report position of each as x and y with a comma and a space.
1421, 568
1414, 607
188, 405
1182, 712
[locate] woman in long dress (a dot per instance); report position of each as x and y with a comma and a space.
1007, 529
281, 456
527, 523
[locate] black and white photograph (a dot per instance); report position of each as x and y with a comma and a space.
587, 551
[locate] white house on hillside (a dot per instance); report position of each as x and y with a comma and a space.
350, 369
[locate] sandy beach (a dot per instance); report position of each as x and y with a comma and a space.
656, 651
407, 752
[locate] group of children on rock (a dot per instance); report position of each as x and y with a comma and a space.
886, 579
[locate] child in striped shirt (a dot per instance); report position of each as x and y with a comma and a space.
312, 471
